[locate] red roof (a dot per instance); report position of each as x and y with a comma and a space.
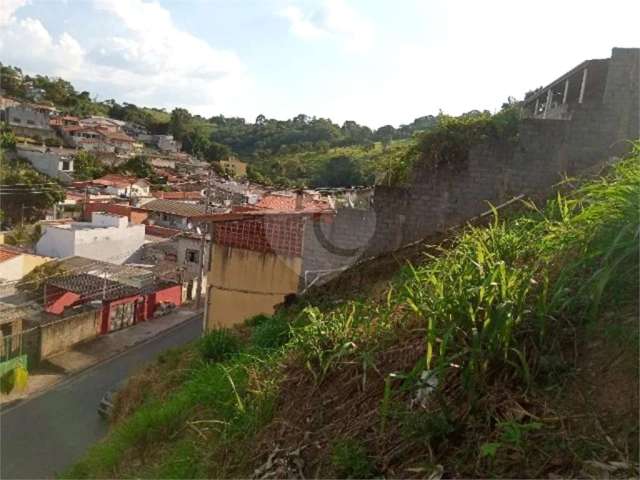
114, 180
288, 203
7, 253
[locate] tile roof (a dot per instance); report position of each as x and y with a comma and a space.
7, 253
288, 203
179, 195
117, 180
91, 286
174, 207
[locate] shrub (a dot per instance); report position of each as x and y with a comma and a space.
219, 345
271, 332
351, 460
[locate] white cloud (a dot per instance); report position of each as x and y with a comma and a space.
7, 10
152, 62
334, 19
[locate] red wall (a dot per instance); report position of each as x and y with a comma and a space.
106, 311
172, 294
146, 310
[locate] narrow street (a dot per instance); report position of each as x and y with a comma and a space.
42, 436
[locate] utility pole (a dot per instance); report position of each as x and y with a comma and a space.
203, 241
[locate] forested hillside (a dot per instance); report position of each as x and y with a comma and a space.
312, 150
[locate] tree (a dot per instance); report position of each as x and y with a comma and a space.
196, 142
138, 166
216, 152
33, 282
86, 166
179, 123
7, 140
339, 171
26, 193
24, 235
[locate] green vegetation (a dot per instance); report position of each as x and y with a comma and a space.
24, 235
33, 282
137, 166
469, 362
87, 166
350, 460
218, 346
335, 167
26, 193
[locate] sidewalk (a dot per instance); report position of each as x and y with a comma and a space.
84, 355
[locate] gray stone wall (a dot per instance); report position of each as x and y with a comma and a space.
545, 152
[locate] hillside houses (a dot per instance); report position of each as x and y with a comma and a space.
123, 186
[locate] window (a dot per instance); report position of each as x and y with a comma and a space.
16, 120
65, 165
30, 122
191, 256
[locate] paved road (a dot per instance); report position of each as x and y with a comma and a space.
44, 435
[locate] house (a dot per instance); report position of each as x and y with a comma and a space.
583, 84
126, 295
234, 167
107, 237
164, 143
134, 130
15, 263
188, 261
133, 215
56, 162
231, 193
25, 120
97, 139
292, 201
256, 263
173, 213
11, 327
186, 197
163, 162
103, 123
123, 186
63, 121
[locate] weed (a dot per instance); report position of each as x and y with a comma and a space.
350, 459
219, 345
271, 332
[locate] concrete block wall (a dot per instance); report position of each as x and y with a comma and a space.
545, 152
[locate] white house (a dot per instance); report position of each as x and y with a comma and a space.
56, 163
123, 186
107, 237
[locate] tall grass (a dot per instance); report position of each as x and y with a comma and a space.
503, 291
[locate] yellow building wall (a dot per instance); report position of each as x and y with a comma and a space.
243, 283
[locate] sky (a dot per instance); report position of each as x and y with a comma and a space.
373, 61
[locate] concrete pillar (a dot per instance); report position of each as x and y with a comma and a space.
566, 91
583, 85
547, 104
535, 109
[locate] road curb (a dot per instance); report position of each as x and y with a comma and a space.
73, 375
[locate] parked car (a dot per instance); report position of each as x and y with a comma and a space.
105, 407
